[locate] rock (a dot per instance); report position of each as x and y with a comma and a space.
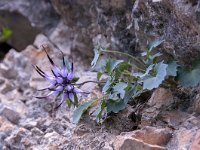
5, 125
196, 143
87, 76
18, 139
128, 144
192, 122
28, 123
10, 73
13, 103
7, 88
36, 132
2, 81
10, 114
161, 98
149, 116
23, 28
30, 21
108, 18
55, 138
182, 139
125, 25
148, 138
62, 37
154, 136
16, 66
81, 130
196, 104
174, 118
161, 22
51, 147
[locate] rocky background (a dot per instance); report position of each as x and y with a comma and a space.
165, 120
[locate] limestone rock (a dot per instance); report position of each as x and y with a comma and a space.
161, 98
182, 139
18, 139
148, 138
10, 114
196, 143
196, 104
32, 17
5, 125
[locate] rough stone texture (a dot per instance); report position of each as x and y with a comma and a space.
20, 26
26, 19
147, 138
182, 138
128, 25
173, 20
161, 98
93, 22
196, 104
11, 115
196, 143
44, 18
116, 24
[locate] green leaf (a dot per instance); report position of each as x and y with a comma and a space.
111, 64
154, 44
107, 86
99, 74
68, 102
142, 75
115, 106
120, 69
75, 100
154, 82
97, 53
172, 68
153, 58
75, 79
100, 66
80, 110
98, 112
119, 88
131, 93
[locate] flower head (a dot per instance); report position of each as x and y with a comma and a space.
61, 82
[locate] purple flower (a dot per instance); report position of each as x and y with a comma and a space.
61, 82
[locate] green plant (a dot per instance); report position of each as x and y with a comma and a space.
5, 34
129, 79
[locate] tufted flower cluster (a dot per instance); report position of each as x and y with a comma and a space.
62, 83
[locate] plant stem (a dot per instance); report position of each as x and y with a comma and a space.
80, 84
132, 57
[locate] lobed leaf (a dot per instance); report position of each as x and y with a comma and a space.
172, 69
111, 64
119, 88
154, 82
154, 44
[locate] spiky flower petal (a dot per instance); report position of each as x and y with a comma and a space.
61, 82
